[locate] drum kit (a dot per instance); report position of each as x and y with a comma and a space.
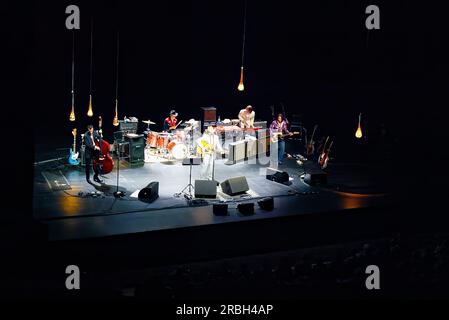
176, 145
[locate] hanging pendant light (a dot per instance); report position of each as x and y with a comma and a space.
90, 111
241, 86
115, 122
358, 133
72, 112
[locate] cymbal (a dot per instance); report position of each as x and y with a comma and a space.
148, 122
192, 121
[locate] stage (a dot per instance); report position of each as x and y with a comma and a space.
72, 208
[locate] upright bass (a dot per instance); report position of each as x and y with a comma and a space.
103, 161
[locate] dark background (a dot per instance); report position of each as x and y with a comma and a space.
316, 57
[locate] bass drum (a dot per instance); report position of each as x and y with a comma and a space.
178, 150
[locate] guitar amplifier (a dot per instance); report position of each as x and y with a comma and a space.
237, 152
136, 148
260, 124
263, 142
128, 126
251, 147
82, 155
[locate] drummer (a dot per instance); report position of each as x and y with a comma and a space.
170, 122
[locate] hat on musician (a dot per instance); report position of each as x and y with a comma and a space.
173, 113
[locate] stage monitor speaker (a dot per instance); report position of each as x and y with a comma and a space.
220, 209
195, 161
315, 177
235, 185
205, 189
150, 192
266, 203
277, 175
246, 208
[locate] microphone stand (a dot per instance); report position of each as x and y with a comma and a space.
117, 193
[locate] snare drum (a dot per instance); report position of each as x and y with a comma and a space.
180, 135
152, 139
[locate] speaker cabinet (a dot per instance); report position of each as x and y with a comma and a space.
266, 203
262, 142
246, 209
205, 189
236, 152
220, 209
251, 147
150, 192
315, 177
136, 149
277, 175
234, 186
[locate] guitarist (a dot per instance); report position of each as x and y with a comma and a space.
91, 137
278, 128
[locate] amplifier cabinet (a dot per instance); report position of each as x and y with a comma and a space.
136, 149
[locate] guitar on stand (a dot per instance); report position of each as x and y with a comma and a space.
324, 156
310, 145
73, 157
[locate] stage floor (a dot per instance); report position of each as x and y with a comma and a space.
75, 209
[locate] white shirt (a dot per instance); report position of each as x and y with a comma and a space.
246, 119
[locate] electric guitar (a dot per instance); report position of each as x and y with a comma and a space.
311, 144
324, 156
73, 157
276, 136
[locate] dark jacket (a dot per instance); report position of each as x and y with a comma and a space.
90, 147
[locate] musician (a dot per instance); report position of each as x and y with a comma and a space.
246, 117
91, 137
209, 143
279, 127
171, 121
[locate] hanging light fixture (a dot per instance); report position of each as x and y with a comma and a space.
90, 111
241, 86
115, 121
72, 112
358, 133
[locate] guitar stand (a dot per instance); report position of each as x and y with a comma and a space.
117, 193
